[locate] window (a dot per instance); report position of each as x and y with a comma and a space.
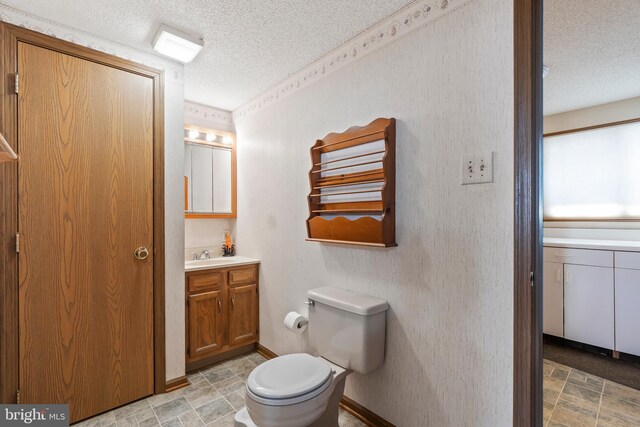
593, 174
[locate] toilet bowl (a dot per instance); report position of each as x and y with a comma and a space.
300, 390
295, 390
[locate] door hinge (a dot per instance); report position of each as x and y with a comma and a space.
18, 396
532, 277
18, 243
16, 80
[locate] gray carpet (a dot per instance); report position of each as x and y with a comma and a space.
594, 361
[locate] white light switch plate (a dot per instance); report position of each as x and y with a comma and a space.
477, 169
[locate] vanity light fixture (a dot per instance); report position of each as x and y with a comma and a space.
194, 134
227, 140
176, 44
211, 137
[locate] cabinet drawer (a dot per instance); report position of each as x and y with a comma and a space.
629, 260
579, 256
204, 281
243, 275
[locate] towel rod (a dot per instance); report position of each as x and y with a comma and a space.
9, 154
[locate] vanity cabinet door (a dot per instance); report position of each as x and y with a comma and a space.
553, 299
206, 328
589, 305
243, 314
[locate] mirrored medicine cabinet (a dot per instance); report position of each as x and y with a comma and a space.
209, 173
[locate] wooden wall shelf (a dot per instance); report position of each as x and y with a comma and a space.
352, 180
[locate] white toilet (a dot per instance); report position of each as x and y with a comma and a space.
300, 390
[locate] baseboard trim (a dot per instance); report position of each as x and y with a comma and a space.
365, 415
177, 383
212, 360
265, 352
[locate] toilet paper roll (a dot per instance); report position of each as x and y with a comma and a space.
295, 322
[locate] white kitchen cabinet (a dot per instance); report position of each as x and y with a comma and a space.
589, 305
627, 310
579, 256
553, 299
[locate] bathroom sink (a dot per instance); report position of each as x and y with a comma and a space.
206, 262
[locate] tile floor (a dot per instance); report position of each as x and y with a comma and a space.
212, 399
573, 398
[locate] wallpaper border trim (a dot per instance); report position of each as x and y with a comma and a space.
396, 26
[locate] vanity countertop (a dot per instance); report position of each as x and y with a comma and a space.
608, 245
218, 262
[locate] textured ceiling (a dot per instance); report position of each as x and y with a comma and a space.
592, 48
250, 45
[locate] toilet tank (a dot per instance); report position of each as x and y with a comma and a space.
347, 328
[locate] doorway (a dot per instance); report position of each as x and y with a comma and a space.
591, 215
82, 213
586, 313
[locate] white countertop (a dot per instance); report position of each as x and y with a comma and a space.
219, 262
609, 245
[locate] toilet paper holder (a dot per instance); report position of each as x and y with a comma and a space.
296, 322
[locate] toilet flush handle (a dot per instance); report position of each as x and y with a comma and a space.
310, 303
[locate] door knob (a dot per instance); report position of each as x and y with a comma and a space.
141, 253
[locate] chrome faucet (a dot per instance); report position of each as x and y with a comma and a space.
203, 255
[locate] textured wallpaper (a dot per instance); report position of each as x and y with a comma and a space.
449, 283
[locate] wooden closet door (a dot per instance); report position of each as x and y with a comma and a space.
85, 136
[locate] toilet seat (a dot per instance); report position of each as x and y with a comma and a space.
290, 379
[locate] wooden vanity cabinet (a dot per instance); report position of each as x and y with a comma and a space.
243, 314
221, 312
206, 324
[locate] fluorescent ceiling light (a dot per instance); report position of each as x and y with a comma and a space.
177, 45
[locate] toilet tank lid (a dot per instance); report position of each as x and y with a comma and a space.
364, 305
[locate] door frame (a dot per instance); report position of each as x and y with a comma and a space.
10, 35
527, 360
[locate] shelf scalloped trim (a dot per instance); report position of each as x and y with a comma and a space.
364, 230
344, 151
